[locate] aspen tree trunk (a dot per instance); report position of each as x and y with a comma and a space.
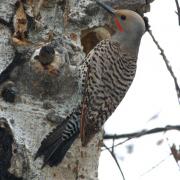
44, 98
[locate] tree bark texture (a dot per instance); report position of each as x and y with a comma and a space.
44, 97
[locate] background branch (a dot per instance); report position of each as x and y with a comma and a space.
178, 10
142, 132
114, 157
167, 64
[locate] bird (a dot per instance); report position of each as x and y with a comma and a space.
106, 75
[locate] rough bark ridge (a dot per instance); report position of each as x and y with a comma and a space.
39, 98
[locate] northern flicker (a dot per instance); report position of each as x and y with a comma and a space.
107, 74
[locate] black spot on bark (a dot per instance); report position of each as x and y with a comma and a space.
6, 141
16, 62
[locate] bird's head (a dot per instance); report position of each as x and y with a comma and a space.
129, 25
128, 21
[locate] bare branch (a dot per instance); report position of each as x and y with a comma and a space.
115, 145
178, 10
142, 132
114, 157
155, 166
167, 64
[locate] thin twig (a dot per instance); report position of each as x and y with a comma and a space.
113, 146
155, 166
178, 10
115, 159
167, 64
120, 143
142, 132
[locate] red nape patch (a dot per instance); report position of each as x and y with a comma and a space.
118, 24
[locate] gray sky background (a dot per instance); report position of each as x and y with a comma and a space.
152, 93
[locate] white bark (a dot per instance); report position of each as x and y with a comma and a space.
27, 117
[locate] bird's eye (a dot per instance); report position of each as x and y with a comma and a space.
123, 17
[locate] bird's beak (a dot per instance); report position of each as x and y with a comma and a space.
106, 7
112, 12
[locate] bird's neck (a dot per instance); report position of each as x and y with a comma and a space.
127, 42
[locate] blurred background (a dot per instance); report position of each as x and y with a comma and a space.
150, 102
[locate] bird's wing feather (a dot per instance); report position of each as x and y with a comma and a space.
51, 139
57, 143
95, 93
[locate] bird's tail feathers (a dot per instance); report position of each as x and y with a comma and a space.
57, 143
54, 154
